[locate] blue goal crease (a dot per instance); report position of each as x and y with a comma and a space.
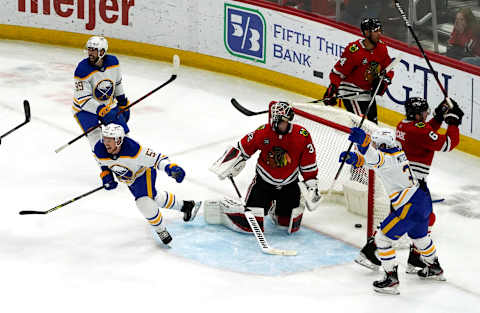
220, 247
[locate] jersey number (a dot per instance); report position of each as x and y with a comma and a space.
150, 153
79, 86
310, 147
433, 135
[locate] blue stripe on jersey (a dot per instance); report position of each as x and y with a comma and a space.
84, 68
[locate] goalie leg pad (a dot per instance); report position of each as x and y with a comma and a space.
230, 213
151, 212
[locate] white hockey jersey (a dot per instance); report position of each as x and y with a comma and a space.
97, 85
131, 162
392, 167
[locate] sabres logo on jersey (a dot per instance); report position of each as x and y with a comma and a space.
122, 173
304, 132
104, 90
420, 124
353, 48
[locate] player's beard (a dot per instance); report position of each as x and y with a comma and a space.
93, 60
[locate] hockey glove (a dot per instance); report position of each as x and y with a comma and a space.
358, 136
231, 163
106, 114
122, 103
108, 180
310, 193
440, 111
355, 159
454, 116
383, 85
175, 171
330, 95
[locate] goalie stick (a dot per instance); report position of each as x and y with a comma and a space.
26, 107
257, 231
247, 112
27, 212
176, 64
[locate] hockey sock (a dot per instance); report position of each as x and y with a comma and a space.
150, 211
168, 200
426, 248
386, 252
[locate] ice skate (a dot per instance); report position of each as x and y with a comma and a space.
190, 210
389, 284
164, 236
414, 262
432, 271
367, 256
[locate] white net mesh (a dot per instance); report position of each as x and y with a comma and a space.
330, 137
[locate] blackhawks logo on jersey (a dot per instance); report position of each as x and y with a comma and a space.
304, 132
278, 157
372, 71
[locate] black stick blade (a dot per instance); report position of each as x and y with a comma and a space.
244, 110
27, 212
26, 106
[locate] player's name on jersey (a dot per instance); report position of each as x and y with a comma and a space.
110, 11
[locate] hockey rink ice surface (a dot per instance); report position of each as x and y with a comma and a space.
99, 253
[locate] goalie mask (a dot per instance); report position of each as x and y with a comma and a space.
384, 138
281, 112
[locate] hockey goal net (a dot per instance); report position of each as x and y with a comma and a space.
357, 188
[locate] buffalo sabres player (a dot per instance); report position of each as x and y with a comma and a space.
137, 167
411, 204
286, 150
420, 140
98, 95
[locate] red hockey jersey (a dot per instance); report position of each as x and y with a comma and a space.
420, 141
358, 67
282, 157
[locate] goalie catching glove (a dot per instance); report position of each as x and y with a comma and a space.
310, 193
231, 163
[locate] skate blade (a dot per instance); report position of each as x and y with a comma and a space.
435, 277
195, 210
412, 269
388, 290
366, 263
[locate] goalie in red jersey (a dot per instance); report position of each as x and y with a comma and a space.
286, 150
420, 139
359, 70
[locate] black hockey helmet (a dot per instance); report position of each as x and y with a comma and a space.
281, 111
371, 24
414, 106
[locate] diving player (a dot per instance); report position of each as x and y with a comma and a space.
286, 150
98, 94
410, 200
137, 167
358, 70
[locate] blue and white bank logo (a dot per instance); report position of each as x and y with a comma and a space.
245, 33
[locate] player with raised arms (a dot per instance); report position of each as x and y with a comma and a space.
98, 93
411, 204
420, 139
286, 150
137, 167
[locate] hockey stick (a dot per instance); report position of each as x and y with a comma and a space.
176, 63
26, 212
247, 112
26, 107
410, 28
257, 231
387, 69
